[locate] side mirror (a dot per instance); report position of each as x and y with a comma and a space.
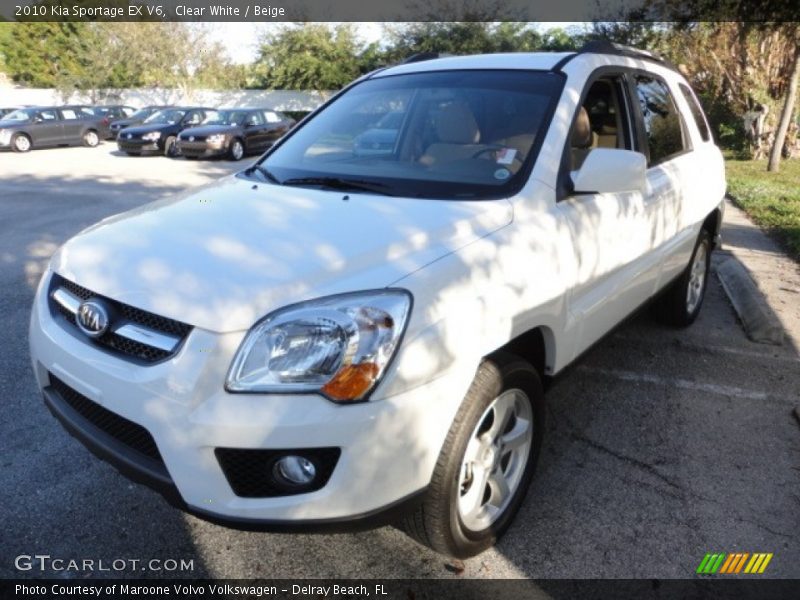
608, 170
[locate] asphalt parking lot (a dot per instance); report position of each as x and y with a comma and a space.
662, 445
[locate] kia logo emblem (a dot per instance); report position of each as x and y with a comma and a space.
92, 318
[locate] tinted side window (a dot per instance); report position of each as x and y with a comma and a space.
254, 118
662, 122
272, 117
47, 115
68, 114
697, 112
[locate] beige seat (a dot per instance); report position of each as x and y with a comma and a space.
458, 136
583, 139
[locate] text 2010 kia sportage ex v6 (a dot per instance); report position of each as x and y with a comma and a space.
337, 338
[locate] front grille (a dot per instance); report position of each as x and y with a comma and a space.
250, 472
117, 343
127, 432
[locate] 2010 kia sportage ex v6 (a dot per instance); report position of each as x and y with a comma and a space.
336, 338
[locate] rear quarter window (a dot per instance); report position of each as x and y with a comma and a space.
697, 112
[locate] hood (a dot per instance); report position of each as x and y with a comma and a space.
209, 130
142, 129
225, 255
125, 122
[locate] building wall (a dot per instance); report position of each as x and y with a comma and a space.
277, 99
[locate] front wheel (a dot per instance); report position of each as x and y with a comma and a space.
236, 151
681, 302
486, 463
21, 143
171, 149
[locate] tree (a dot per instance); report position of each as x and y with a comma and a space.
786, 115
474, 38
42, 54
307, 56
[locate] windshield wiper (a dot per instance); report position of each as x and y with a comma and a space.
264, 172
340, 183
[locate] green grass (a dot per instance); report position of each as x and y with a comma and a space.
771, 199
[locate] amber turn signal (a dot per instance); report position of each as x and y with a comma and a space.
351, 382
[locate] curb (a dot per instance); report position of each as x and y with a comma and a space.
760, 323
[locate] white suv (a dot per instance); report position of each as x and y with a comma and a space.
337, 338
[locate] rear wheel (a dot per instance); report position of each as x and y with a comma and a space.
21, 143
91, 139
236, 151
682, 301
486, 463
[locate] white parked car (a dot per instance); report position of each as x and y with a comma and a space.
331, 340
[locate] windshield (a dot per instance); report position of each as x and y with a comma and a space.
142, 113
163, 117
226, 117
445, 134
19, 115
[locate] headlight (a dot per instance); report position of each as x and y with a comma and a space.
216, 138
338, 346
152, 136
5, 136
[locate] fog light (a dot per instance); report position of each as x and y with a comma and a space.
295, 470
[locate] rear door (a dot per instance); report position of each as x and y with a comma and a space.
667, 144
277, 126
73, 124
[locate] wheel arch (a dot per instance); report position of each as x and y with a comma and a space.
537, 346
713, 224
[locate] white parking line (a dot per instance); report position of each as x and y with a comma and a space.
723, 349
711, 388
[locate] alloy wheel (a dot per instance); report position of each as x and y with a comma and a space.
495, 460
697, 278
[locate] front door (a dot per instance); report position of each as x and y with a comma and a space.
46, 129
611, 233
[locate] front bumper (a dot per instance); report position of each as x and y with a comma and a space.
201, 149
135, 467
138, 146
388, 447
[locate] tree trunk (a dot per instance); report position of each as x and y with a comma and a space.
786, 115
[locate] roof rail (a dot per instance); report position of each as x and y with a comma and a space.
419, 57
608, 47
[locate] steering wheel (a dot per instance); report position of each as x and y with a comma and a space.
490, 148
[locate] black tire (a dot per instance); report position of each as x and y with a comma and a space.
236, 150
133, 153
91, 138
21, 143
674, 306
437, 522
171, 147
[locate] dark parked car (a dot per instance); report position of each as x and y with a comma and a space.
44, 126
136, 118
380, 139
159, 132
234, 132
112, 114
